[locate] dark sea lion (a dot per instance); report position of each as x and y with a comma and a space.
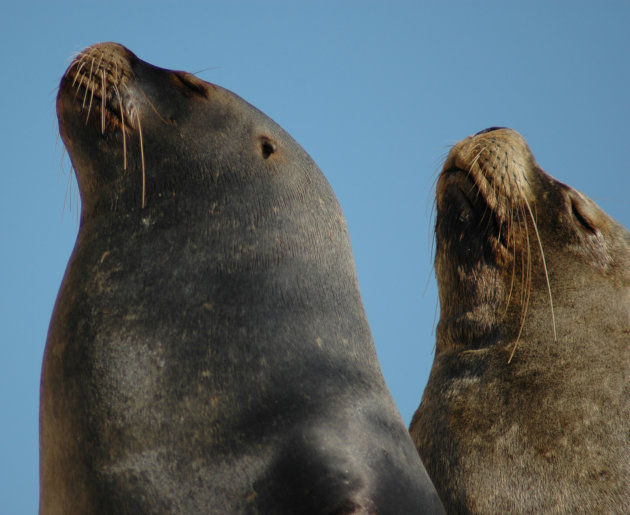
208, 351
527, 408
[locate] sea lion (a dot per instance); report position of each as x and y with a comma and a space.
208, 351
527, 408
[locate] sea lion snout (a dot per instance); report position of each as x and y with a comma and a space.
489, 129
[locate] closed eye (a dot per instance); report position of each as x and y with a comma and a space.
581, 218
192, 83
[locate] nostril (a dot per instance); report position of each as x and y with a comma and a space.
489, 129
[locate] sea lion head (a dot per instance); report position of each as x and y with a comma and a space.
127, 133
514, 246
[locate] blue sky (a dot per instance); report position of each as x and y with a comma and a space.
376, 92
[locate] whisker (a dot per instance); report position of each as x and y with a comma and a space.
89, 80
510, 229
542, 255
63, 156
142, 160
76, 93
103, 101
122, 121
527, 295
78, 72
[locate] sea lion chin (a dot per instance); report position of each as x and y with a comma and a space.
208, 350
527, 408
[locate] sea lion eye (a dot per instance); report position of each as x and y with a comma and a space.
192, 83
267, 147
581, 218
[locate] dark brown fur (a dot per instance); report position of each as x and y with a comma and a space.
527, 408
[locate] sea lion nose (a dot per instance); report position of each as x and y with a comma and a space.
489, 129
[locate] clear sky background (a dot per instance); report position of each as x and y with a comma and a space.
376, 92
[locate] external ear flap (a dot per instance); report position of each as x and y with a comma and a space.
267, 147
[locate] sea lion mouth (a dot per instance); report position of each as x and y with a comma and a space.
461, 198
464, 193
96, 86
98, 77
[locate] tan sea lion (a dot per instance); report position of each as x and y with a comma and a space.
527, 408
